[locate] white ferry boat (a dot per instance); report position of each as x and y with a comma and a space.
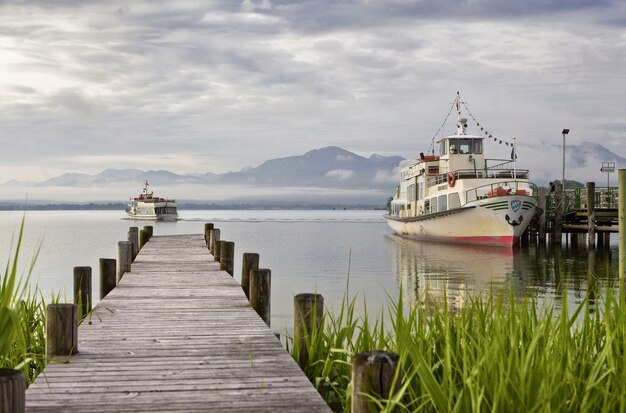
460, 196
148, 207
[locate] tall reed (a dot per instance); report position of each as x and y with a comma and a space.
498, 353
22, 318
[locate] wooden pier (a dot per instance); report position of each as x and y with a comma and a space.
176, 334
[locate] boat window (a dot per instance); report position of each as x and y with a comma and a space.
454, 200
411, 193
420, 190
427, 206
465, 146
443, 203
453, 145
477, 146
443, 149
433, 204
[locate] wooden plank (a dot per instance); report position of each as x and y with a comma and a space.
176, 334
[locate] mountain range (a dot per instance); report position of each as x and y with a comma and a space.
329, 167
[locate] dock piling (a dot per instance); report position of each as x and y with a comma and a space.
133, 236
249, 262
308, 313
227, 256
108, 268
12, 391
82, 289
591, 217
214, 237
143, 238
207, 229
150, 230
61, 330
260, 293
621, 176
373, 373
124, 258
217, 250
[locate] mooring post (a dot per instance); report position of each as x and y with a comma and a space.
214, 235
61, 330
207, 228
82, 289
107, 275
12, 391
150, 230
261, 293
591, 214
308, 313
249, 262
558, 214
124, 258
217, 254
133, 236
144, 236
621, 177
227, 257
373, 373
541, 222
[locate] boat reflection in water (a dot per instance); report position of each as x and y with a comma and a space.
429, 270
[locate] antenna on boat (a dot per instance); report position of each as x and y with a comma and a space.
514, 156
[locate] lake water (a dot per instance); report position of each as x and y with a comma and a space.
316, 251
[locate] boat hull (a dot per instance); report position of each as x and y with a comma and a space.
165, 217
498, 221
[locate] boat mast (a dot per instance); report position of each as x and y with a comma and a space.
514, 156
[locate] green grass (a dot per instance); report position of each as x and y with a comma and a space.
498, 353
22, 318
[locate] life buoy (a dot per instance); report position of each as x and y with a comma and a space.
451, 179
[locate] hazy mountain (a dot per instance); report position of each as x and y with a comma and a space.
329, 167
116, 176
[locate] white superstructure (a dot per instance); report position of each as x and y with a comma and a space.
461, 196
148, 207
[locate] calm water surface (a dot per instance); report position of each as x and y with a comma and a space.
316, 251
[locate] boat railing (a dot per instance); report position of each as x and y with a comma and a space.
479, 174
501, 188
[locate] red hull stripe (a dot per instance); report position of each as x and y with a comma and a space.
503, 241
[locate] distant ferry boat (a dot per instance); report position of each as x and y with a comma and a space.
460, 196
148, 207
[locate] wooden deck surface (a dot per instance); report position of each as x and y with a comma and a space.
177, 334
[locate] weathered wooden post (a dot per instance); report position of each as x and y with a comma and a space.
308, 313
558, 214
372, 375
207, 228
261, 293
214, 235
250, 262
144, 236
541, 222
150, 230
82, 289
591, 214
621, 195
217, 253
124, 258
107, 275
227, 256
61, 330
133, 236
12, 391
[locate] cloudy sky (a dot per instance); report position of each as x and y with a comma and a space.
216, 85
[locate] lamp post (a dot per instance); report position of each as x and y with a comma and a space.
565, 132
